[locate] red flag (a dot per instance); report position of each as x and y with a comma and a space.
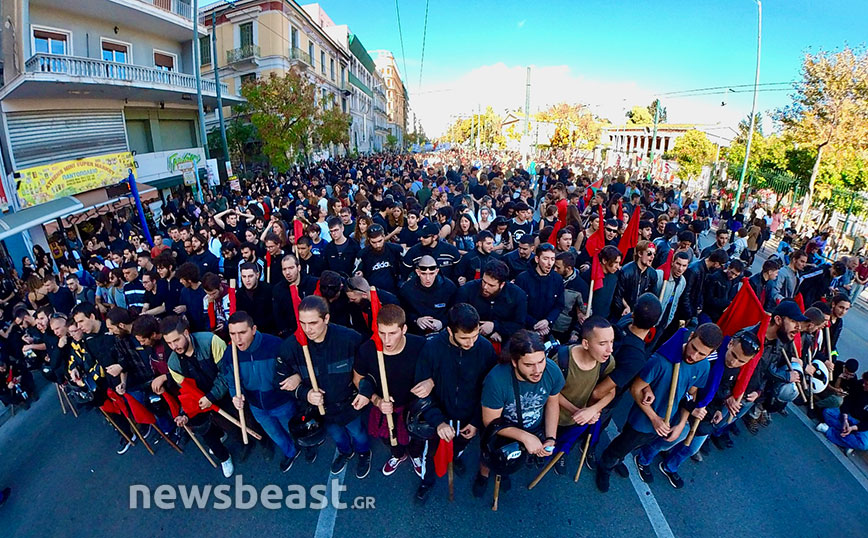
268, 260
109, 407
800, 301
631, 236
297, 229
597, 241
597, 274
212, 315
296, 300
589, 193
442, 457
316, 290
798, 341
141, 414
172, 402
746, 371
554, 235
621, 210
666, 266
231, 300
597, 184
744, 311
189, 397
375, 312
477, 275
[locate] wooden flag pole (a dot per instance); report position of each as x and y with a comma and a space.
790, 368
545, 470
662, 291
113, 423
59, 397
166, 437
201, 448
584, 457
234, 421
694, 425
69, 403
811, 382
238, 393
591, 297
309, 362
828, 343
496, 492
139, 434
673, 386
390, 419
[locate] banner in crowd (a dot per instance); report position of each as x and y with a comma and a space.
41, 184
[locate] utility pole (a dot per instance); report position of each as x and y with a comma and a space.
215, 66
479, 123
759, 40
198, 71
526, 131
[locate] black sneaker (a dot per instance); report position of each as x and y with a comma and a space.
602, 480
784, 412
310, 454
591, 460
561, 465
622, 470
423, 493
123, 446
363, 465
147, 434
674, 479
704, 449
644, 472
480, 484
245, 452
458, 467
286, 464
752, 424
719, 442
340, 462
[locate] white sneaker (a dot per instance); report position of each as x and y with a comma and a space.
822, 427
850, 451
417, 466
228, 467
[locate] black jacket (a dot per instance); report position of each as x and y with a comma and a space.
206, 262
257, 303
458, 375
342, 262
445, 254
382, 269
718, 293
632, 284
360, 314
472, 262
419, 301
691, 299
313, 266
281, 304
765, 291
517, 265
547, 292
507, 309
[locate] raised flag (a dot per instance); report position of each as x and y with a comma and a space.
297, 229
597, 241
232, 299
296, 300
673, 349
597, 274
554, 235
744, 311
375, 312
666, 266
268, 260
747, 370
621, 210
631, 236
212, 315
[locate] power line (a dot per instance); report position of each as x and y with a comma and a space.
401, 35
424, 35
725, 88
727, 92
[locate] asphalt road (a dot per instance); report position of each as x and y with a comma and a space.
786, 481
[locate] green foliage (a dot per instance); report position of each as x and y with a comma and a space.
640, 115
692, 151
575, 126
332, 125
661, 118
242, 138
391, 142
486, 125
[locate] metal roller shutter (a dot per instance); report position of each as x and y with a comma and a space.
50, 136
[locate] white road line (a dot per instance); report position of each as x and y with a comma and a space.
646, 496
325, 523
849, 465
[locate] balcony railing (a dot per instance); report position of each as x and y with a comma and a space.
178, 7
355, 81
296, 53
115, 72
246, 52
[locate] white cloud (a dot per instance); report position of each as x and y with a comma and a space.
521, 22
503, 87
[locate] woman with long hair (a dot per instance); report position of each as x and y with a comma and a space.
363, 223
464, 234
444, 219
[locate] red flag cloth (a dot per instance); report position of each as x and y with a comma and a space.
141, 414
666, 266
442, 457
597, 241
621, 210
375, 312
597, 184
631, 237
109, 407
589, 193
212, 315
297, 229
562, 210
268, 260
746, 371
800, 301
172, 402
744, 311
798, 341
316, 290
189, 398
554, 235
597, 274
231, 300
296, 300
477, 275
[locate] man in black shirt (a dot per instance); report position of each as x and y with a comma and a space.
282, 307
400, 353
520, 259
254, 297
202, 257
522, 223
311, 264
341, 253
427, 297
473, 263
273, 255
610, 259
381, 260
501, 305
429, 243
60, 297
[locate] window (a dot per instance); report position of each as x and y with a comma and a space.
249, 77
205, 50
332, 67
294, 34
139, 136
164, 61
344, 105
310, 53
50, 41
113, 51
343, 75
177, 134
245, 34
322, 61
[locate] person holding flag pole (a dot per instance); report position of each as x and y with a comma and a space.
678, 368
233, 294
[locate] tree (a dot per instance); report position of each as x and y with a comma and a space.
652, 107
332, 126
639, 115
744, 126
575, 126
829, 110
241, 137
283, 109
391, 142
486, 125
692, 151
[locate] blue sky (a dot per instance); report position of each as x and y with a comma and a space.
608, 54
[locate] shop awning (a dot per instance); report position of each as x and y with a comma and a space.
25, 219
166, 182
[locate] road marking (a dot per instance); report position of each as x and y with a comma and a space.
845, 461
325, 523
646, 496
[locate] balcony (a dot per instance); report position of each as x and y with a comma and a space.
354, 80
243, 54
181, 8
58, 76
298, 55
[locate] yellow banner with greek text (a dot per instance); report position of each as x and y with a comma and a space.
42, 184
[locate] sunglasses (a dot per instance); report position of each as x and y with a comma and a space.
428, 268
612, 230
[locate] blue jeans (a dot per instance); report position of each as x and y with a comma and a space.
723, 425
353, 435
856, 440
275, 422
649, 451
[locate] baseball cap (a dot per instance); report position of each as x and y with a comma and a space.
432, 228
789, 309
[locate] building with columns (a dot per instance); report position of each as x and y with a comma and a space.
638, 139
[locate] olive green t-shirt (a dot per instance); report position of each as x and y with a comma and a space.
579, 386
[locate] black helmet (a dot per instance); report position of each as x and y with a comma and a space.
501, 454
307, 428
416, 424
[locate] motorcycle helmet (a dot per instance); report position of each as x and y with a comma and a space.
502, 455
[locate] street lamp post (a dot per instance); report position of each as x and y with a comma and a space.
197, 70
759, 36
215, 66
